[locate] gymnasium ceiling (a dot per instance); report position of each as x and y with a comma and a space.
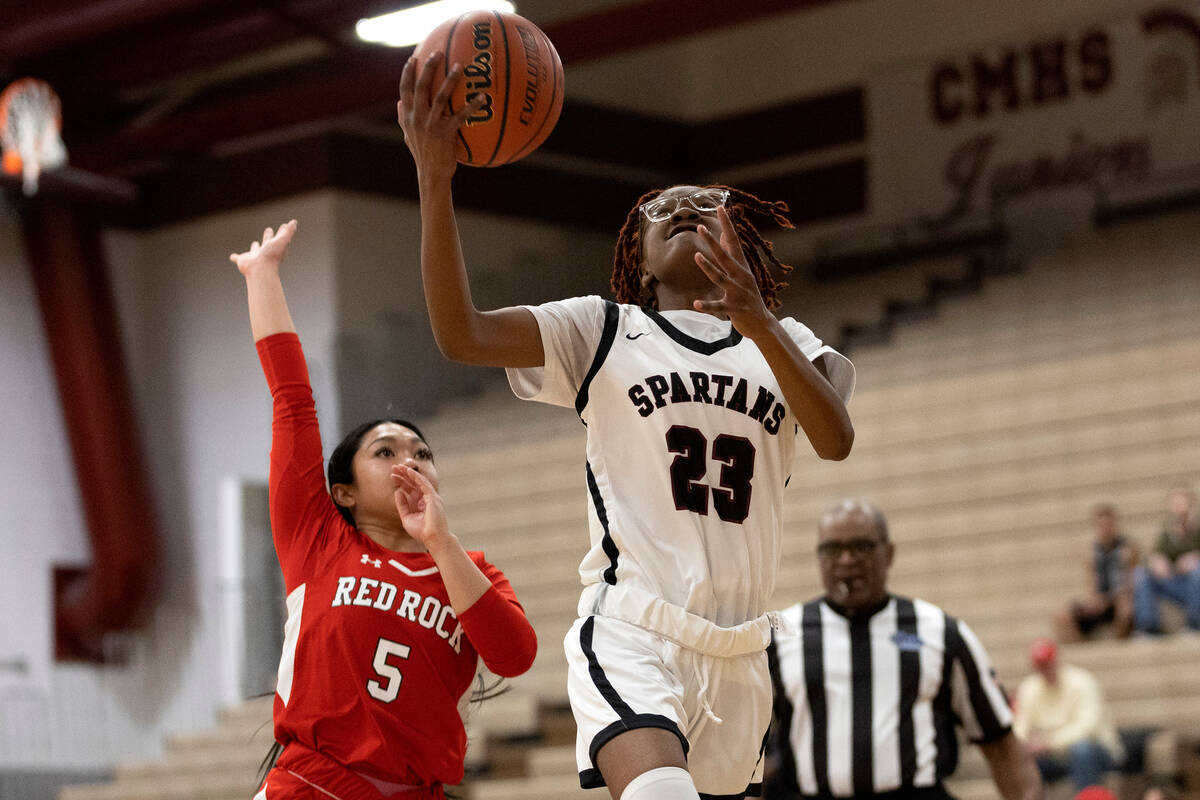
203, 105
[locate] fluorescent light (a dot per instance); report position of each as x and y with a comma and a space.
402, 28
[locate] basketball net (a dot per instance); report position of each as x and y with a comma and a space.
31, 131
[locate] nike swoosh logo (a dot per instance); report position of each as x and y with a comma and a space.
631, 337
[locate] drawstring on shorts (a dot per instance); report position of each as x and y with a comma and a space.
703, 694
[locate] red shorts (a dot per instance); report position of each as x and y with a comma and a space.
304, 774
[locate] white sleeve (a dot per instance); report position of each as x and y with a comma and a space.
837, 366
571, 331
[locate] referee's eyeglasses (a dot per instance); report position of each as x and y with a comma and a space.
706, 201
859, 548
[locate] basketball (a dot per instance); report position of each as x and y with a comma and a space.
508, 60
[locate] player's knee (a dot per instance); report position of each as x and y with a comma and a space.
663, 783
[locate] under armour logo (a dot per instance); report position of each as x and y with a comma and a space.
374, 562
631, 337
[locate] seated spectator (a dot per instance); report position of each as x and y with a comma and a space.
1110, 581
1172, 571
1061, 716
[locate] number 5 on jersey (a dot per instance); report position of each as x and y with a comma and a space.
736, 453
387, 692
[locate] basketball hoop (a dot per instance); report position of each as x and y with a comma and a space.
31, 131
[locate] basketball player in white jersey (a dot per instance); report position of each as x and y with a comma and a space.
693, 393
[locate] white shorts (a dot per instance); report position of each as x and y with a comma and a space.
709, 686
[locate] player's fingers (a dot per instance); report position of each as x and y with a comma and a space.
475, 101
286, 231
713, 272
717, 239
408, 79
407, 497
710, 306
423, 483
711, 248
402, 489
405, 502
720, 248
729, 238
405, 486
706, 235
421, 89
411, 481
441, 100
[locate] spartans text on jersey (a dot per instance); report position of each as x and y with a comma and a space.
657, 391
426, 611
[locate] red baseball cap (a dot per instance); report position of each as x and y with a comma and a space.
1095, 793
1042, 651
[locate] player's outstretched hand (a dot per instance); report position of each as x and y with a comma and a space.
429, 126
422, 510
269, 253
723, 261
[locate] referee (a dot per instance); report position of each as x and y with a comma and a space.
870, 686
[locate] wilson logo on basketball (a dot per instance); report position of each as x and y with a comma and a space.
478, 73
514, 71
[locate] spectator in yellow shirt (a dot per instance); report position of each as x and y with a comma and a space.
1062, 717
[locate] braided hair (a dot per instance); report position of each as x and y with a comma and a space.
626, 277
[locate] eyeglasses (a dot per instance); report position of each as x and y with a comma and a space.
858, 548
705, 200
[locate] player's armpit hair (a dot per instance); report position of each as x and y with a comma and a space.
626, 280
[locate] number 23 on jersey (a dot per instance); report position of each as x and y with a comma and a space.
731, 499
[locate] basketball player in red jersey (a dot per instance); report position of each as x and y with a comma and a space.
388, 615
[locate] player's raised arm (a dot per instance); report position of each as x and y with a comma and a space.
506, 337
260, 267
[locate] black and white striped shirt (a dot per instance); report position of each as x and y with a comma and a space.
870, 705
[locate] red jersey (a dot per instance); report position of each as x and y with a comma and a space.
376, 667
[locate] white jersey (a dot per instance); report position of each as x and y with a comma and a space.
689, 446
